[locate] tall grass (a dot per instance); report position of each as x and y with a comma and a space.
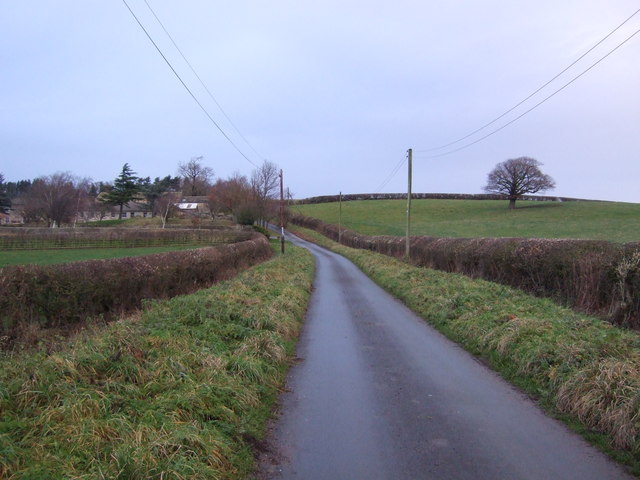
577, 366
181, 391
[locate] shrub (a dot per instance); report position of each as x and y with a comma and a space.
596, 277
262, 230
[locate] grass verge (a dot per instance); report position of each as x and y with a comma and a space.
181, 391
579, 368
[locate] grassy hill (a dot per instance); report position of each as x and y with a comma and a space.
617, 222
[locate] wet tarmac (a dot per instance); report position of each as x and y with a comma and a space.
378, 394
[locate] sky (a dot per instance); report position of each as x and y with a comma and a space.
334, 92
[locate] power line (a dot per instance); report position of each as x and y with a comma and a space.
202, 82
186, 87
391, 175
537, 104
532, 94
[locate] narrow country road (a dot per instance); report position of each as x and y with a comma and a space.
379, 394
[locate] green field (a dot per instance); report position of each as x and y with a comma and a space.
47, 257
617, 222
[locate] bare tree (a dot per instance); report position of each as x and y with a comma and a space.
516, 177
56, 199
197, 177
83, 198
165, 205
265, 183
226, 195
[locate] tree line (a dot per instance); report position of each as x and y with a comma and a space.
59, 198
62, 198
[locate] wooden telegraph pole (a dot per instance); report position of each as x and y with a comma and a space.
340, 219
281, 213
407, 245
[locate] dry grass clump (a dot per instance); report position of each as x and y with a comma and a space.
606, 395
181, 391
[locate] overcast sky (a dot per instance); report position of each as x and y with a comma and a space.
333, 91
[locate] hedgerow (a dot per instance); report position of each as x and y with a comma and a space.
92, 237
67, 294
596, 277
433, 196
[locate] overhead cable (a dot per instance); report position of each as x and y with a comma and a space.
533, 93
186, 87
536, 105
391, 175
202, 82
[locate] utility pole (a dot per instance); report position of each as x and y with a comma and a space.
281, 213
407, 245
340, 219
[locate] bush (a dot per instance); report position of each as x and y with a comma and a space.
262, 230
64, 294
246, 214
596, 277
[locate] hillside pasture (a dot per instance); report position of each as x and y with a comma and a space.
615, 222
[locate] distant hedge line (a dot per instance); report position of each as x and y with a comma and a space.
31, 238
63, 294
435, 196
596, 277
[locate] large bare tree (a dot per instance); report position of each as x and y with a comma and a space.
516, 177
265, 182
197, 177
56, 199
231, 194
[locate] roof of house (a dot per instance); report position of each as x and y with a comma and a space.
187, 206
195, 199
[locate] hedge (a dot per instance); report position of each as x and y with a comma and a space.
92, 237
66, 294
595, 277
433, 196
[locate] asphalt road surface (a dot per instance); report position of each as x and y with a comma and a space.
378, 394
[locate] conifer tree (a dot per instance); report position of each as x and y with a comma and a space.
126, 188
